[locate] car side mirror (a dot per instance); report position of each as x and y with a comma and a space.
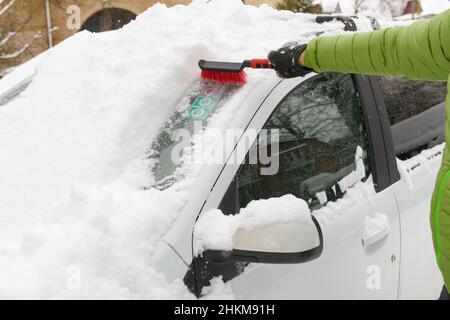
292, 242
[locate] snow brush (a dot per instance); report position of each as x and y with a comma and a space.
231, 73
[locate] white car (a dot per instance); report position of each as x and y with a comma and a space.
373, 244
367, 238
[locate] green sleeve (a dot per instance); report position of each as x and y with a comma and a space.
418, 51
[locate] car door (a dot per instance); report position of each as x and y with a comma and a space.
325, 157
416, 114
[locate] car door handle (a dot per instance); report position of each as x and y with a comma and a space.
376, 228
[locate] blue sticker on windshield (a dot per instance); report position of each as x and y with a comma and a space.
197, 113
205, 103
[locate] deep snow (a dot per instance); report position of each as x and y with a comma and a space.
73, 156
76, 218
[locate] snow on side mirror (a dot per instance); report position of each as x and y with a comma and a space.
255, 235
292, 242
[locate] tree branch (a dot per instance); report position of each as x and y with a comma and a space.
8, 36
7, 6
19, 52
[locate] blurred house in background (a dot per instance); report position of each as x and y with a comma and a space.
412, 6
29, 27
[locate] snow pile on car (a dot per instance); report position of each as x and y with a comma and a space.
259, 213
75, 218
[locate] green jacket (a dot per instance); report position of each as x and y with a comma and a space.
418, 51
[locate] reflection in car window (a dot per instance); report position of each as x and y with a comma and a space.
321, 127
405, 98
416, 113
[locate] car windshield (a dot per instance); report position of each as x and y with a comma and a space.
12, 93
193, 110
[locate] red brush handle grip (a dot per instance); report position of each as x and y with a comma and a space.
260, 64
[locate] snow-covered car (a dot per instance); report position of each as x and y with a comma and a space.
114, 153
11, 87
340, 135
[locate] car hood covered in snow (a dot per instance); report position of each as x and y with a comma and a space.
77, 219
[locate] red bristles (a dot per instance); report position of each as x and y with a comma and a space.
223, 77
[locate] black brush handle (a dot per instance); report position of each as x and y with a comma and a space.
218, 66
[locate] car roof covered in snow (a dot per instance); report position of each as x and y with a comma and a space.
75, 143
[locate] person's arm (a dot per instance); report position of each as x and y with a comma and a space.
418, 51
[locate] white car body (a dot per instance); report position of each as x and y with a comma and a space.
400, 265
403, 260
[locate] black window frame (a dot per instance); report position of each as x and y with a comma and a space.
392, 174
379, 140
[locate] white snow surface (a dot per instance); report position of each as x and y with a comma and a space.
73, 147
75, 219
357, 175
218, 290
332, 212
373, 225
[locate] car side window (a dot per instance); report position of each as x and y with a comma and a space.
416, 113
321, 131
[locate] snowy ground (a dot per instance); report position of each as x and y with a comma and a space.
73, 156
